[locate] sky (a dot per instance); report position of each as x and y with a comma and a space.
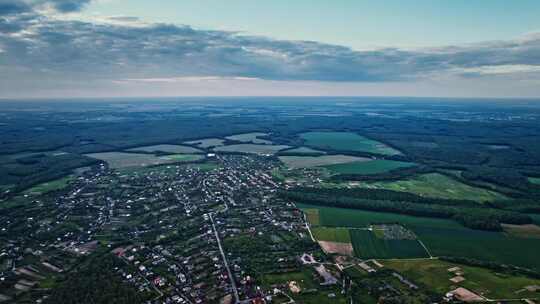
110, 48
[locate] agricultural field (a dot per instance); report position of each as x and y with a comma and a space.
534, 180
250, 138
49, 186
368, 167
340, 235
118, 160
442, 237
251, 148
435, 275
206, 143
368, 245
166, 148
294, 162
304, 150
346, 141
440, 186
522, 231
206, 166
312, 215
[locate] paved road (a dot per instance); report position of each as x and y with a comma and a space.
233, 282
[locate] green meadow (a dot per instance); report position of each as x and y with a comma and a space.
367, 246
346, 141
368, 167
329, 234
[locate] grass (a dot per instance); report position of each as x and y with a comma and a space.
312, 215
434, 274
250, 138
534, 180
367, 245
166, 148
50, 186
317, 161
439, 186
251, 148
346, 141
443, 237
206, 142
183, 157
369, 167
304, 150
207, 166
338, 235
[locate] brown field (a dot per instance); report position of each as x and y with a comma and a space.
312, 216
529, 231
335, 247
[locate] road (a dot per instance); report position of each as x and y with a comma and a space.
231, 277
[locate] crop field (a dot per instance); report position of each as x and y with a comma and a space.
522, 231
206, 142
534, 180
367, 245
312, 215
166, 148
182, 157
124, 160
294, 162
346, 141
443, 237
304, 150
368, 167
250, 138
434, 274
440, 186
50, 186
339, 235
251, 148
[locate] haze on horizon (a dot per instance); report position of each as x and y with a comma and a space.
116, 48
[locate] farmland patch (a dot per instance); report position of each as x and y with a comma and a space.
346, 141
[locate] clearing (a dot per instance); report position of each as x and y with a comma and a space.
368, 167
206, 142
250, 138
251, 148
166, 148
346, 141
439, 186
295, 162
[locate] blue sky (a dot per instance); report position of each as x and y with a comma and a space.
355, 23
94, 48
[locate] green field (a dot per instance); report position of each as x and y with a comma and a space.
534, 180
251, 148
304, 150
206, 142
442, 237
339, 235
440, 186
434, 274
294, 162
183, 157
369, 167
250, 138
346, 141
367, 246
166, 148
50, 186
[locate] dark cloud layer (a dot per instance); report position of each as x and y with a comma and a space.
36, 46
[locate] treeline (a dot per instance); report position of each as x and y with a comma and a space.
471, 217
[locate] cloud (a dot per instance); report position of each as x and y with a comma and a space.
36, 46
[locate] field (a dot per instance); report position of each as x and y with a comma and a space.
312, 215
304, 150
124, 160
339, 235
206, 166
522, 231
182, 157
206, 142
442, 237
50, 186
250, 138
166, 148
294, 162
251, 148
346, 141
435, 275
367, 245
534, 180
440, 186
368, 167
